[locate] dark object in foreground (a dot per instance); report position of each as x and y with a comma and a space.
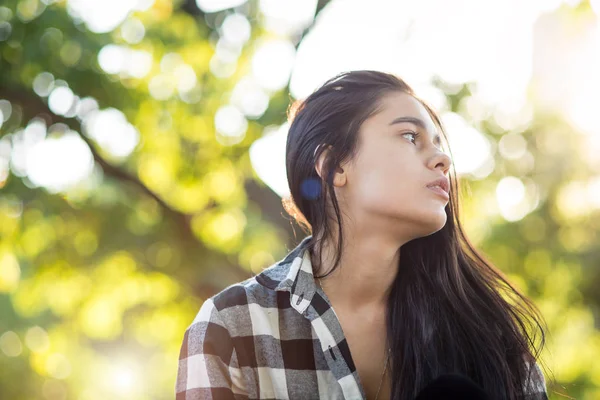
452, 386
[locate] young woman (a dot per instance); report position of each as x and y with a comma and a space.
386, 294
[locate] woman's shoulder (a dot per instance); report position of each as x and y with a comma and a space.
262, 287
234, 303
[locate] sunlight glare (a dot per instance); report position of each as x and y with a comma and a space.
230, 124
412, 38
574, 199
585, 83
104, 16
133, 31
111, 58
288, 17
236, 29
58, 163
43, 84
124, 378
272, 63
5, 109
212, 6
470, 149
112, 131
250, 97
512, 146
267, 156
116, 59
516, 197
61, 100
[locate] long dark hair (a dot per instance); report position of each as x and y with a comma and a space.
449, 309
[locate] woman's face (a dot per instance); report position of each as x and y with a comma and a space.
386, 183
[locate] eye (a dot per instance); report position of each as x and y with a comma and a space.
415, 134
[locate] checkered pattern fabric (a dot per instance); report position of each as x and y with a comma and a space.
272, 336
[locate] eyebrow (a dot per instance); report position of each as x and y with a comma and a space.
418, 122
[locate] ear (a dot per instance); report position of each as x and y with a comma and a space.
339, 178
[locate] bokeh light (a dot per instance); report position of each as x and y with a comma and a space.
272, 63
230, 124
37, 339
142, 164
48, 167
211, 6
10, 344
115, 59
268, 154
288, 17
111, 130
105, 16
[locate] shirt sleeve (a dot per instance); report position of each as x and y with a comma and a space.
206, 358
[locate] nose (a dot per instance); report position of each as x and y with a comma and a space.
442, 161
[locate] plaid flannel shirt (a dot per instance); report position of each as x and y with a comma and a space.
274, 336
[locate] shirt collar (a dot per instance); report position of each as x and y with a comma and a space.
293, 274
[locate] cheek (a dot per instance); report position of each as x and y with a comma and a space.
387, 181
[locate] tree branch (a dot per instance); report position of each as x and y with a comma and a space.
34, 106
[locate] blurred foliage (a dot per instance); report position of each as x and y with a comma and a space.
99, 282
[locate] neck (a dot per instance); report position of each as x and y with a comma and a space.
363, 280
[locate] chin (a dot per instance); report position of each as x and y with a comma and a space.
436, 223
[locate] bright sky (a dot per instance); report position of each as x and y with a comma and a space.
418, 40
459, 41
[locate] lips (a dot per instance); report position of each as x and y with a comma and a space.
443, 183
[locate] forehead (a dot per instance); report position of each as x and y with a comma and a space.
399, 104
